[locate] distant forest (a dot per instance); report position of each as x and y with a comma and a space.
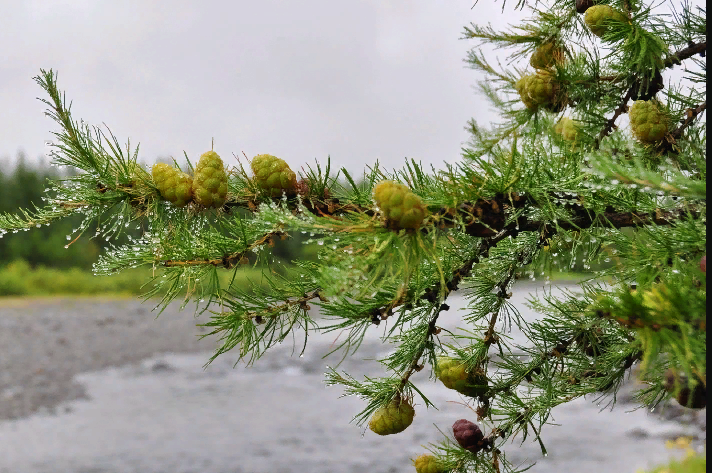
22, 186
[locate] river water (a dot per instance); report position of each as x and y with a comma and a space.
167, 414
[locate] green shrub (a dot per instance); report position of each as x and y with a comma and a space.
19, 279
692, 463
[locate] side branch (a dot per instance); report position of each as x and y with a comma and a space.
415, 363
523, 259
688, 52
431, 296
690, 116
669, 144
611, 123
230, 260
302, 302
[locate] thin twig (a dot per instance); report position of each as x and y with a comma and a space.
686, 53
690, 116
611, 123
227, 261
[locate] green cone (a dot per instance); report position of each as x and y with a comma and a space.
538, 90
546, 55
600, 17
453, 375
648, 122
392, 419
174, 186
273, 175
401, 206
428, 464
568, 129
210, 182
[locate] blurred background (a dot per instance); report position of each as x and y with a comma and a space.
90, 379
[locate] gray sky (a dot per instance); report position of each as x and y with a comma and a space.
360, 80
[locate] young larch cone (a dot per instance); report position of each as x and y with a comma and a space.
648, 122
600, 18
210, 180
173, 185
401, 206
468, 435
428, 464
568, 129
540, 90
392, 419
273, 175
547, 55
453, 375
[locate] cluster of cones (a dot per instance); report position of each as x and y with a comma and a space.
402, 208
208, 186
649, 122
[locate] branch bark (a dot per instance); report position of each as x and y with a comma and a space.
686, 53
691, 114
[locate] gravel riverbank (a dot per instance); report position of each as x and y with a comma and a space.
105, 387
46, 342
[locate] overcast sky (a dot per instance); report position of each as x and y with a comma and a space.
359, 80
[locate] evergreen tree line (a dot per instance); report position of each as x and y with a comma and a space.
22, 186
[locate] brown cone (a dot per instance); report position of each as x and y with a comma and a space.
583, 5
468, 435
678, 385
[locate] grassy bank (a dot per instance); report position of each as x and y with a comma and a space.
19, 279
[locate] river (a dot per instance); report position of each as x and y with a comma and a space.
162, 412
